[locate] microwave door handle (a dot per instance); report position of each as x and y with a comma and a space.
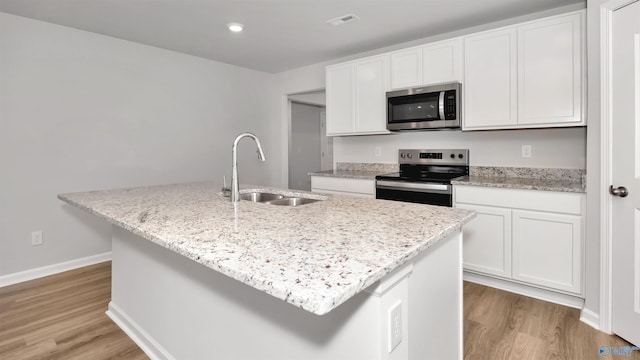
441, 105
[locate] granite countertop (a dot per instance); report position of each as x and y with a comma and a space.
314, 256
522, 183
349, 174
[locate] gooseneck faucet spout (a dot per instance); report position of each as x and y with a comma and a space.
235, 184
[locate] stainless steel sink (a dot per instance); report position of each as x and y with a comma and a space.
292, 201
260, 196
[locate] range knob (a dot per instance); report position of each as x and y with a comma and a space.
453, 156
460, 156
409, 155
402, 155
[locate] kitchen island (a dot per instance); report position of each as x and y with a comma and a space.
198, 277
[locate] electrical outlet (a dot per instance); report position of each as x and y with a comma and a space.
36, 238
395, 325
526, 151
378, 151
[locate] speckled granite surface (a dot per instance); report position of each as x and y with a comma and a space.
573, 175
564, 180
349, 174
314, 256
367, 171
383, 168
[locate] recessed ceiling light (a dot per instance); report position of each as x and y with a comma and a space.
343, 19
235, 27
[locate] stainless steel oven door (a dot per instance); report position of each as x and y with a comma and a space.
421, 193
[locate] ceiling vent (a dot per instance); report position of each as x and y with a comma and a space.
343, 19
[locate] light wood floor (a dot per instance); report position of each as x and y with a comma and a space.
502, 325
62, 317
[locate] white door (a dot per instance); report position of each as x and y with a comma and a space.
625, 117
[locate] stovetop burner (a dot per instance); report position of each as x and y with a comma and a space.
434, 166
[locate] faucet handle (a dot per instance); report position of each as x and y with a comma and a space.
226, 191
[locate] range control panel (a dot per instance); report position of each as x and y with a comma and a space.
430, 156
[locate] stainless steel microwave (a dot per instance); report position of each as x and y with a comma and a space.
424, 108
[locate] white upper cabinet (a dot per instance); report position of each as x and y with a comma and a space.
425, 65
490, 86
442, 62
340, 99
530, 75
356, 97
406, 68
550, 71
371, 85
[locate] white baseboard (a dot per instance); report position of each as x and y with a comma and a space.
530, 291
14, 278
146, 342
590, 318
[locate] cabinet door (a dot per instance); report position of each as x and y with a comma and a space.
490, 76
550, 71
547, 250
442, 62
371, 85
340, 111
406, 68
487, 241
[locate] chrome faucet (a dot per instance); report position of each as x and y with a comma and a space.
235, 184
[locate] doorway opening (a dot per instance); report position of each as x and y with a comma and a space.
310, 149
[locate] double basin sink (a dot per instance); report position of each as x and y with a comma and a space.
276, 199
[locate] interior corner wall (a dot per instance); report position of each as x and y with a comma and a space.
81, 111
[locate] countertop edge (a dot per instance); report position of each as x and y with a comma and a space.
322, 307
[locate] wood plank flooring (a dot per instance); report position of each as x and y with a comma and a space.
503, 325
62, 317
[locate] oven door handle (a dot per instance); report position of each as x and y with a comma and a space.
392, 185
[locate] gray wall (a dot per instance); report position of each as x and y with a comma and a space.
81, 111
304, 155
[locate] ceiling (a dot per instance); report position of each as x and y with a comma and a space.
279, 34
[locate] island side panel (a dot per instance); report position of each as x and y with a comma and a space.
178, 309
175, 308
436, 302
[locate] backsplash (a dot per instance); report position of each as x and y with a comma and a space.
374, 167
576, 175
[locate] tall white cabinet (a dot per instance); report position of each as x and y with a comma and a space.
525, 76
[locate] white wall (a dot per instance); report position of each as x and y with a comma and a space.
315, 98
553, 148
81, 111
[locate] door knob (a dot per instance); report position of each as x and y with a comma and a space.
620, 191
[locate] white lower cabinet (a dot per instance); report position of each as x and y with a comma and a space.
525, 236
344, 186
547, 249
487, 241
